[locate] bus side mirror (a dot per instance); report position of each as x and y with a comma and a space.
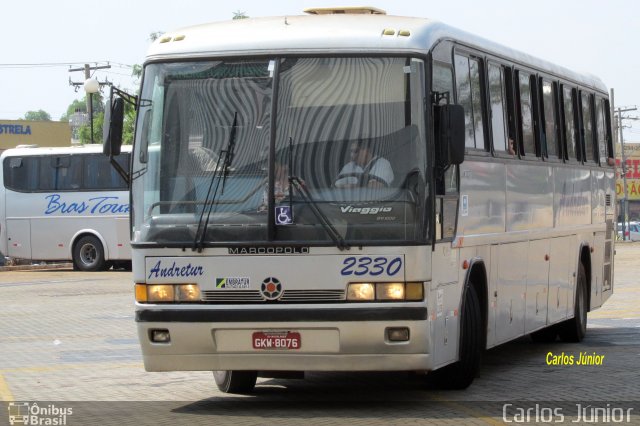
450, 130
113, 123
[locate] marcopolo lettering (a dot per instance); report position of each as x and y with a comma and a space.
15, 129
268, 250
174, 271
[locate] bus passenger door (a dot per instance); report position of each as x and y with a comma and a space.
19, 238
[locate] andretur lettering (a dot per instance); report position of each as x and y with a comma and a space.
175, 271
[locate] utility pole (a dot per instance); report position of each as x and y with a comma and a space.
87, 75
625, 200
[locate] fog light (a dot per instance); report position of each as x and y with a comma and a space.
398, 334
160, 336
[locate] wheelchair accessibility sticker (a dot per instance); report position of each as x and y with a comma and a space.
284, 215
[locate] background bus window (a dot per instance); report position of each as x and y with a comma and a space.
587, 126
526, 114
68, 172
497, 100
21, 173
569, 123
549, 117
469, 96
99, 174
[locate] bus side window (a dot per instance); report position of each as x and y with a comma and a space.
525, 106
549, 114
568, 123
601, 131
68, 172
497, 100
587, 127
468, 88
443, 83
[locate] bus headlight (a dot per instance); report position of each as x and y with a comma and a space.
361, 292
160, 293
187, 293
398, 291
167, 293
390, 291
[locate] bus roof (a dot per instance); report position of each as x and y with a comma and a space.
79, 149
335, 33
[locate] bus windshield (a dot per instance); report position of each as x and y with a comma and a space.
308, 150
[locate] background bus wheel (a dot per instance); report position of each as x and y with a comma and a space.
88, 254
235, 381
460, 374
574, 329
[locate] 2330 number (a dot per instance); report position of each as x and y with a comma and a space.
373, 266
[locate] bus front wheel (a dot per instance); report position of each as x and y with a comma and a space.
88, 254
235, 381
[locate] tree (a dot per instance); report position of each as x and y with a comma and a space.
80, 105
239, 15
39, 115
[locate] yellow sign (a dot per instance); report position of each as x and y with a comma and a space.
41, 133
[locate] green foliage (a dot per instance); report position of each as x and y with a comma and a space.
239, 15
39, 115
85, 131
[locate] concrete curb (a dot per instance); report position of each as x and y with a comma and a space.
36, 267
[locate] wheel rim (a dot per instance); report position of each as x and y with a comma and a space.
88, 254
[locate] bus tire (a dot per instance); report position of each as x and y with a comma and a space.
460, 374
235, 381
88, 254
574, 329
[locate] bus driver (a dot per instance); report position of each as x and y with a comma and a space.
365, 168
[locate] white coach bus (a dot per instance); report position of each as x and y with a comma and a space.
64, 204
348, 190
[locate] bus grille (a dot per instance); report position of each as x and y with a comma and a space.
249, 296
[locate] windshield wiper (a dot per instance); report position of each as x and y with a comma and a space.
220, 173
333, 233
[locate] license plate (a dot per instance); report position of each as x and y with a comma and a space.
279, 340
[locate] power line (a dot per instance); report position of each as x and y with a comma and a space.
60, 64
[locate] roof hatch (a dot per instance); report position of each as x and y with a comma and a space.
354, 10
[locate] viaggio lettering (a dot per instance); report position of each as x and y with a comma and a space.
175, 271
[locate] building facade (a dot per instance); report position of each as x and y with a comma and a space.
41, 133
632, 157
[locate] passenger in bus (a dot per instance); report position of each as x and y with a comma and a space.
365, 168
512, 146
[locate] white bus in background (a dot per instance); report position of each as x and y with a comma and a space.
251, 255
64, 204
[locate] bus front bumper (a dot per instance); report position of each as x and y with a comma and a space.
355, 340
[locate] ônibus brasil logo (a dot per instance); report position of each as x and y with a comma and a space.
26, 413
